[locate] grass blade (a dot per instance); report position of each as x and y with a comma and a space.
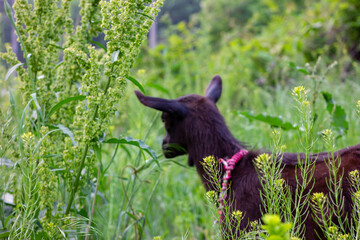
158, 87
146, 15
13, 106
59, 104
272, 120
68, 132
134, 142
11, 70
9, 13
99, 45
338, 114
37, 105
59, 64
39, 142
137, 83
21, 126
4, 234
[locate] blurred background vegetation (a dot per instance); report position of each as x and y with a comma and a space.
261, 49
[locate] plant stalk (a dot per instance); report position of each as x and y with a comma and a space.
76, 183
93, 203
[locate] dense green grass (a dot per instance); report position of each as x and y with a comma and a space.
178, 206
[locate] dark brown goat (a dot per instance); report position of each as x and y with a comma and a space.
194, 123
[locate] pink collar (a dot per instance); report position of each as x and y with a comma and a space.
229, 165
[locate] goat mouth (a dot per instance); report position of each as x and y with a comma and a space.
173, 150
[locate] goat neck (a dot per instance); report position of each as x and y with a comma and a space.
208, 135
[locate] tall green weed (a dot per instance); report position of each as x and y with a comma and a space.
69, 92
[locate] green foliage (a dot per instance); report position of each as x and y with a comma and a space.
271, 120
275, 228
339, 121
75, 97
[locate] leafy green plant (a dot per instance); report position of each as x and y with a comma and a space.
62, 127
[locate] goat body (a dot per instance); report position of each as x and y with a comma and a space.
194, 124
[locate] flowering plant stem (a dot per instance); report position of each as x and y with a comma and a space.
76, 183
93, 203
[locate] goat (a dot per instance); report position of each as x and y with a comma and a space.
194, 123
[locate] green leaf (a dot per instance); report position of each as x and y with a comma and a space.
138, 84
51, 156
59, 104
146, 15
39, 142
338, 114
56, 46
292, 65
131, 215
9, 220
4, 233
59, 64
113, 157
68, 132
9, 13
299, 69
158, 87
329, 101
97, 151
134, 142
99, 45
178, 163
12, 103
37, 105
302, 70
272, 120
11, 70
21, 126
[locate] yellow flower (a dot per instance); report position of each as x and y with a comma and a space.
209, 161
262, 160
354, 175
237, 215
357, 196
318, 198
327, 132
211, 195
298, 90
333, 230
141, 72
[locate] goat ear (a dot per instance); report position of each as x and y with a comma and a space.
170, 106
213, 91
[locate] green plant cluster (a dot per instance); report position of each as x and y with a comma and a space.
69, 92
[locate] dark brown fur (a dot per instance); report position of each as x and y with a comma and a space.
194, 123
